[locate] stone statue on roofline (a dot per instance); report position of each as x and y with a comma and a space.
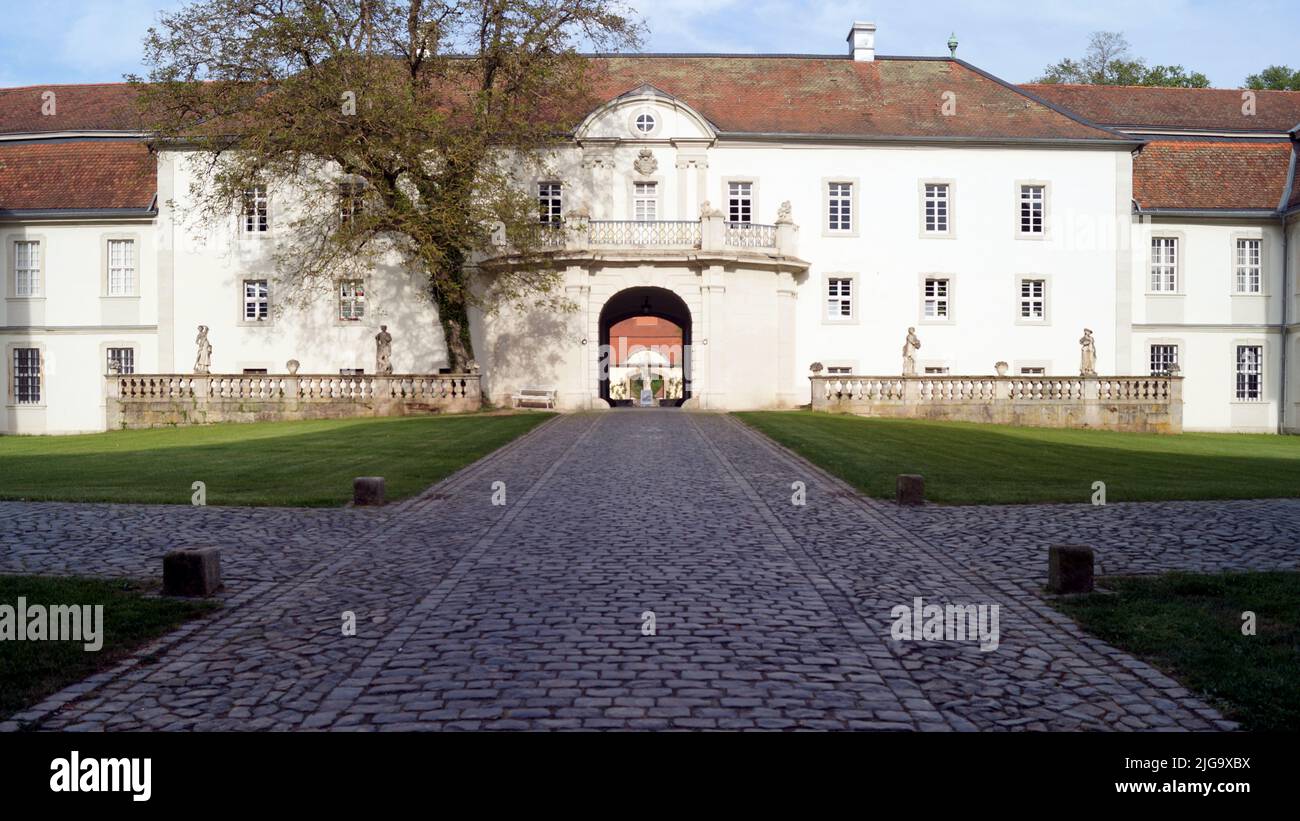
910, 346
383, 351
1087, 354
203, 359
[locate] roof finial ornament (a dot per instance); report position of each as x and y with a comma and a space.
952, 45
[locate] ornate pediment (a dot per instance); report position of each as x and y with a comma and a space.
645, 113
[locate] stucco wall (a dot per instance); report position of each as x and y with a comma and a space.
73, 321
1208, 320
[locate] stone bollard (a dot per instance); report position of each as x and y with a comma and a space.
1069, 568
192, 571
368, 491
910, 489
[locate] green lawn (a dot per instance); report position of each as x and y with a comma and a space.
270, 463
32, 670
1190, 626
965, 463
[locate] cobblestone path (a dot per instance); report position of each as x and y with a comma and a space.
530, 615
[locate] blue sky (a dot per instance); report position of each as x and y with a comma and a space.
77, 41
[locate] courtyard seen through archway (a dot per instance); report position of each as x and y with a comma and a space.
645, 337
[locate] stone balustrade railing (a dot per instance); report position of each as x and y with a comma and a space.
749, 235
710, 233
1132, 403
644, 233
150, 400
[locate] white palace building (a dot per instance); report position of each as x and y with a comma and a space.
780, 210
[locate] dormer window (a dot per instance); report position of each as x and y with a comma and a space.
645, 123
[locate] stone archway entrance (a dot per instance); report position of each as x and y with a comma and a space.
645, 331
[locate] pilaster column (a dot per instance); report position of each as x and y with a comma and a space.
711, 341
577, 390
786, 391
691, 187
600, 166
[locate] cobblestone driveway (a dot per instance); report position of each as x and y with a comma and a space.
529, 615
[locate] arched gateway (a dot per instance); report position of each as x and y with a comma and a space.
645, 333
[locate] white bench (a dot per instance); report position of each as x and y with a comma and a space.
536, 395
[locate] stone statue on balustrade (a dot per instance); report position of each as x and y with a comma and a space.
383, 351
203, 361
910, 346
1087, 354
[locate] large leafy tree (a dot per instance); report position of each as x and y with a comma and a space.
1275, 78
1109, 61
399, 127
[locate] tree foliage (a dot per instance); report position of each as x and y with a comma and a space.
1109, 61
1275, 78
418, 112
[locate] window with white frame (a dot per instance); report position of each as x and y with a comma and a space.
550, 203
1033, 370
936, 208
257, 301
839, 204
1250, 372
838, 370
1033, 300
1033, 203
1164, 264
256, 210
352, 300
935, 370
27, 268
1249, 268
121, 360
839, 298
936, 298
645, 201
351, 201
740, 202
121, 267
1164, 359
27, 376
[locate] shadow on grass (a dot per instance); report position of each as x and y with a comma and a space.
32, 670
988, 464
291, 464
1190, 626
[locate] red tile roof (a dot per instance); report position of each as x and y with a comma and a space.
811, 96
100, 107
833, 96
76, 175
815, 96
1198, 109
1211, 174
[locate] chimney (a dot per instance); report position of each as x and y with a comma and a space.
862, 41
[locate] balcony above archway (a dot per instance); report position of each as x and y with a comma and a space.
706, 242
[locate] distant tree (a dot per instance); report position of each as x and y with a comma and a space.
1108, 61
1275, 78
